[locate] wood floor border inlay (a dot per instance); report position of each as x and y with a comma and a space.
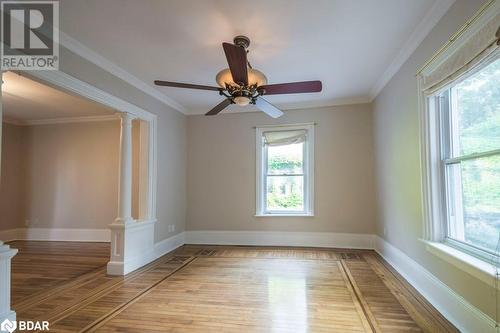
101, 321
196, 287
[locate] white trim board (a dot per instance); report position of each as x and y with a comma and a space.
454, 307
280, 238
56, 234
76, 86
169, 244
62, 120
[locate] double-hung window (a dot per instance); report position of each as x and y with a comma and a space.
285, 170
459, 90
469, 117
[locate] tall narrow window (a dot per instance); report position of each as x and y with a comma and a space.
470, 141
284, 170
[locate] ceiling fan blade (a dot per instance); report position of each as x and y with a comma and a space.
219, 107
185, 85
292, 88
237, 59
268, 108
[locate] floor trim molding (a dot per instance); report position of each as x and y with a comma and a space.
454, 307
168, 245
280, 238
56, 234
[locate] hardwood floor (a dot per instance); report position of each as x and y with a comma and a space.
222, 289
39, 266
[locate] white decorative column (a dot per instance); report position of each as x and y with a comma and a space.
124, 218
125, 179
132, 242
6, 254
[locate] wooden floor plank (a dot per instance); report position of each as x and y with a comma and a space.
200, 288
41, 266
262, 295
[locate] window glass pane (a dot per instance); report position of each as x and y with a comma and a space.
474, 201
287, 159
476, 112
285, 193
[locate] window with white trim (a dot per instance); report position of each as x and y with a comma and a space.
285, 170
469, 137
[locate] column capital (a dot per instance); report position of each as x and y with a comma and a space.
126, 116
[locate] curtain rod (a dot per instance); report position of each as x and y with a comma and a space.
456, 35
286, 125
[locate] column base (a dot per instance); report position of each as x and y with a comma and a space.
6, 254
132, 246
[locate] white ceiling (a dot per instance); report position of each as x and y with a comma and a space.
351, 46
25, 100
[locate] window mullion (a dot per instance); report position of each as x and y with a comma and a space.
473, 156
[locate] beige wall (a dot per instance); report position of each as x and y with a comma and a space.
171, 194
221, 171
60, 176
13, 177
398, 171
72, 179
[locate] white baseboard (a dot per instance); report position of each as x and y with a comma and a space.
161, 248
167, 245
10, 234
56, 234
279, 238
454, 307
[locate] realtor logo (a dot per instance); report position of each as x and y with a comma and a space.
8, 326
30, 35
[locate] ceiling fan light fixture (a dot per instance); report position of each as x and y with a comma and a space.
255, 77
241, 100
250, 84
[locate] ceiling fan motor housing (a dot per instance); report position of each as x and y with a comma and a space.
242, 41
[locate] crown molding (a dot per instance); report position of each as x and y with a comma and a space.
12, 121
78, 48
431, 18
297, 106
65, 120
334, 102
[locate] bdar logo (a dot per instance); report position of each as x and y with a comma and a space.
8, 326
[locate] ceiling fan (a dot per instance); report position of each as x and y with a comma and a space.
243, 85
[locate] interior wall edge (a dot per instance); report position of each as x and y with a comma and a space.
454, 307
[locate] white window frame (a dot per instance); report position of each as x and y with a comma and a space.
261, 170
435, 146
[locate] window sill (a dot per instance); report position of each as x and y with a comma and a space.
478, 268
284, 215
